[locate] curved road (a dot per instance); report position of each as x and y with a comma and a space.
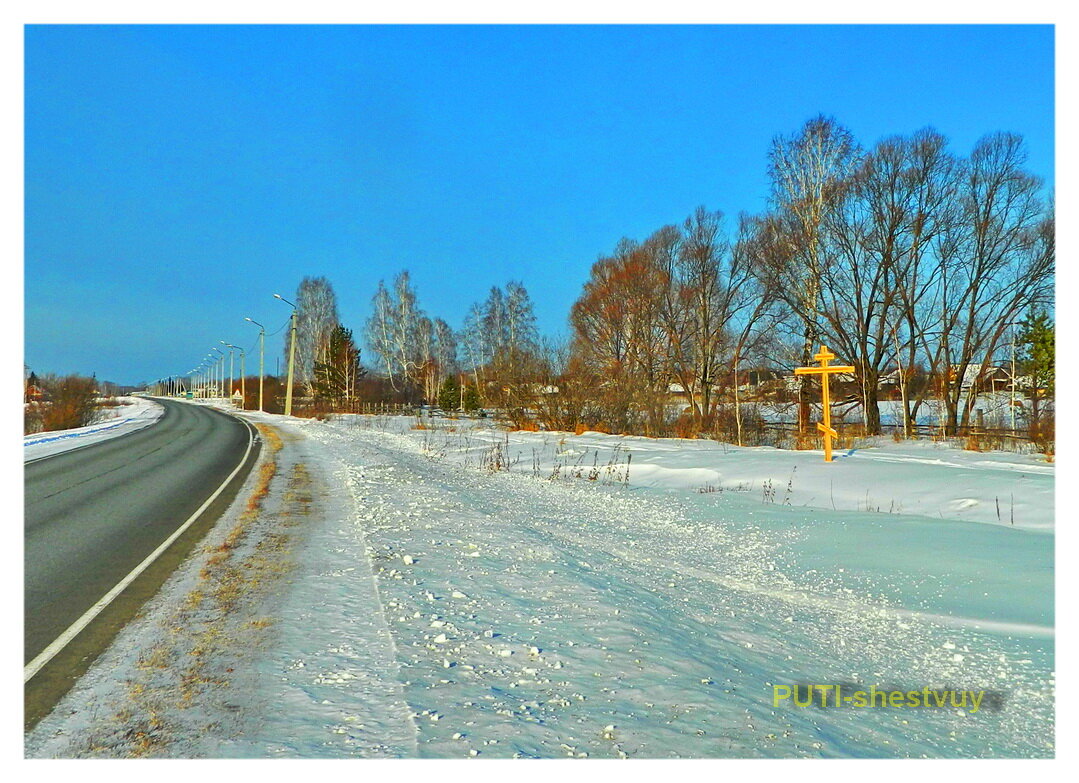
92, 515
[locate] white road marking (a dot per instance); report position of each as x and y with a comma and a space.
76, 627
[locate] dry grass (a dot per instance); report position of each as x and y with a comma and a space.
181, 659
209, 627
686, 428
157, 658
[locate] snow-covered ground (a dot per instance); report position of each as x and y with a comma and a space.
918, 477
132, 414
443, 606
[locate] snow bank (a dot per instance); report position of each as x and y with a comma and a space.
133, 414
911, 478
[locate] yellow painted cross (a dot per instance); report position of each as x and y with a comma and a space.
824, 357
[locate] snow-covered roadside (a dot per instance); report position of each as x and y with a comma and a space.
166, 684
134, 413
536, 618
440, 607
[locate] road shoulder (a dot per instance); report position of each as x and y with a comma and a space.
163, 673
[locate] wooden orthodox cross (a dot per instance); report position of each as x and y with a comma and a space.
824, 357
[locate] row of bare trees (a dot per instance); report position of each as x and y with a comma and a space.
683, 308
414, 351
902, 258
908, 260
415, 355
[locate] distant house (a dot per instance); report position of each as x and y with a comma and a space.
794, 382
757, 376
35, 393
985, 378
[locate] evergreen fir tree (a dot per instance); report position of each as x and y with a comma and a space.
1038, 352
449, 396
471, 402
336, 378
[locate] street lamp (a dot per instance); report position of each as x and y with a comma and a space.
221, 373
207, 386
232, 366
291, 354
243, 375
262, 351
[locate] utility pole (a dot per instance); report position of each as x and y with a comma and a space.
1013, 380
262, 353
291, 355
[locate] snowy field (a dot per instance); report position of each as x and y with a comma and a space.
464, 592
911, 477
132, 414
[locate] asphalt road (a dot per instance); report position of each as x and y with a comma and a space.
94, 514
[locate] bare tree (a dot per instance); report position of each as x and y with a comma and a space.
444, 349
382, 332
997, 264
615, 323
753, 308
399, 335
472, 344
805, 170
316, 318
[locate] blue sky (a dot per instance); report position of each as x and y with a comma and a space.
176, 177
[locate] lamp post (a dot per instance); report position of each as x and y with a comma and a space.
232, 366
291, 354
262, 352
221, 372
243, 387
243, 378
